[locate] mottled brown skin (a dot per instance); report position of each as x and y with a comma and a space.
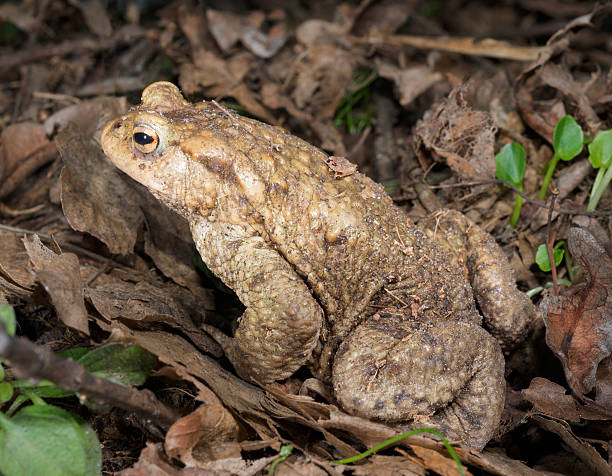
333, 275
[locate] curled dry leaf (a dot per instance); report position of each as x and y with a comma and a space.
341, 166
551, 399
60, 275
14, 262
579, 327
322, 76
101, 203
87, 114
209, 426
411, 82
228, 28
461, 136
24, 148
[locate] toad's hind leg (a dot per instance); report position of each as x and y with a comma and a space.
448, 376
508, 313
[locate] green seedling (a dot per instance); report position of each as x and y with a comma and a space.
7, 318
510, 166
397, 438
549, 284
600, 156
542, 259
568, 141
354, 110
283, 454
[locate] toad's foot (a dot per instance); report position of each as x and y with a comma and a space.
441, 375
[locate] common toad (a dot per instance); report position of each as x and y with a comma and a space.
333, 275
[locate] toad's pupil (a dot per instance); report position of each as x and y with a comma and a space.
143, 138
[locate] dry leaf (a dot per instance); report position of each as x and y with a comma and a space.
579, 327
206, 428
60, 275
459, 135
95, 198
340, 166
14, 261
24, 148
411, 82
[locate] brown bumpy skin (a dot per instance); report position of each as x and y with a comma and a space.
333, 275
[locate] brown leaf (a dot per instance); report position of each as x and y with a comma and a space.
86, 114
411, 82
323, 75
340, 166
157, 302
579, 327
228, 28
95, 198
61, 277
329, 137
95, 16
152, 462
14, 261
207, 427
382, 17
460, 135
221, 78
551, 399
24, 148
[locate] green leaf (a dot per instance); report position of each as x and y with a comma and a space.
541, 257
510, 164
120, 363
75, 353
568, 138
600, 150
43, 439
7, 316
43, 389
6, 392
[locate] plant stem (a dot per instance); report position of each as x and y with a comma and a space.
550, 168
517, 210
601, 182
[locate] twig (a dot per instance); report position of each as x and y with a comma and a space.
463, 45
550, 241
537, 203
37, 362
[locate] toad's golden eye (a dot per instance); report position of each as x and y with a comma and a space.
145, 139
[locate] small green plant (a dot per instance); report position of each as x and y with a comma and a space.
600, 156
7, 318
510, 166
283, 454
397, 438
43, 439
543, 260
354, 110
568, 140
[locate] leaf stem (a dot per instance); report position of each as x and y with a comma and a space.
517, 210
599, 185
550, 168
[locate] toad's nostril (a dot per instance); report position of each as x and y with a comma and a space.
117, 125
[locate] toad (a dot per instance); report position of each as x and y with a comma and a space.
333, 275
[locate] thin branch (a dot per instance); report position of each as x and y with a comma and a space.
550, 241
37, 362
464, 45
537, 203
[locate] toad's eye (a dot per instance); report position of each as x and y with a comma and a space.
145, 139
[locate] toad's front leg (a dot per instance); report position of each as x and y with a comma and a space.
282, 321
